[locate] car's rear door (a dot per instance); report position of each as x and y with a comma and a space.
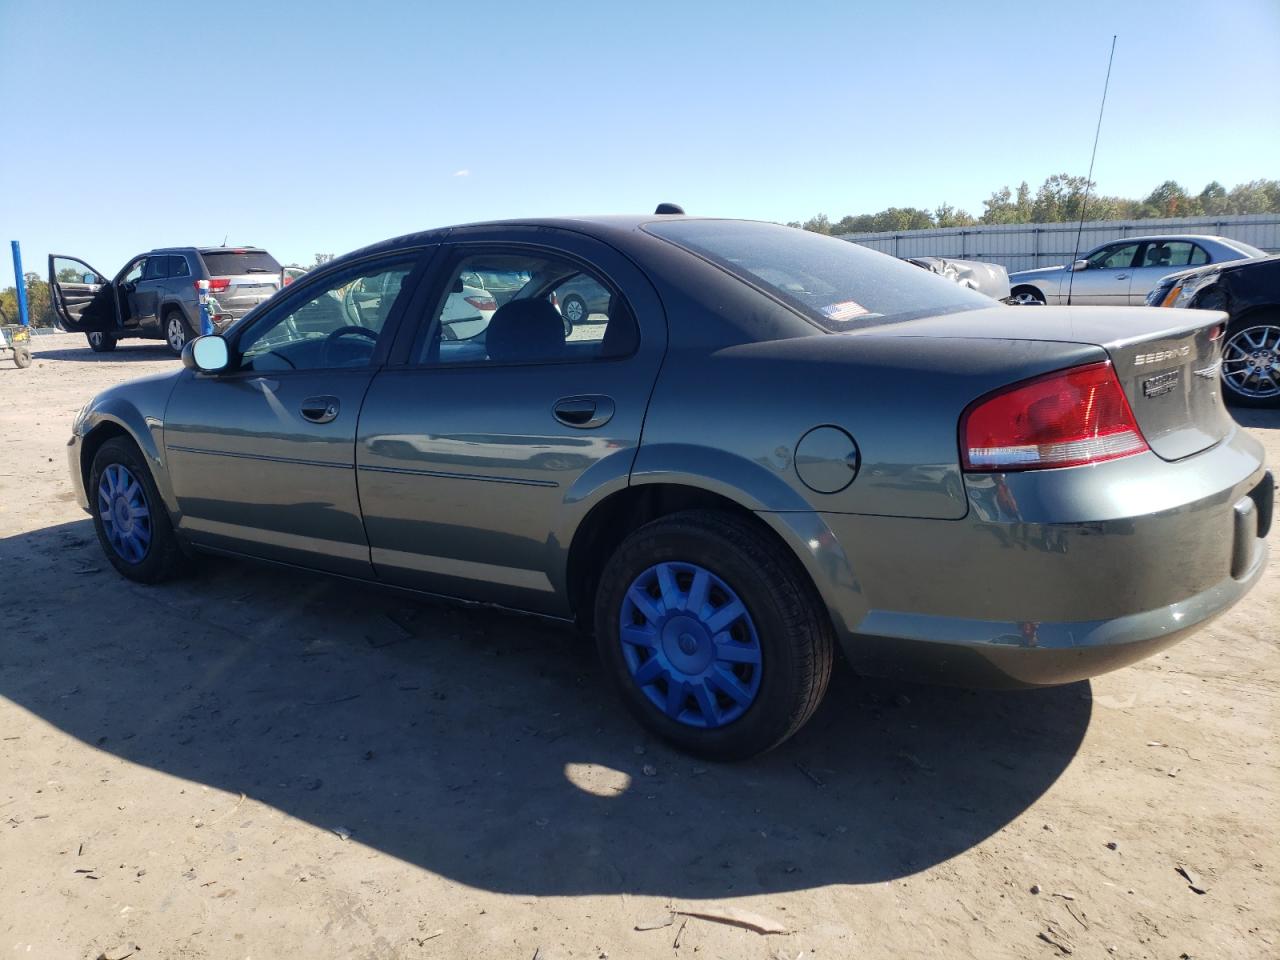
1156, 260
84, 301
145, 298
262, 456
480, 453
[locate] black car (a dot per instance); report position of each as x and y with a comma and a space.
1249, 292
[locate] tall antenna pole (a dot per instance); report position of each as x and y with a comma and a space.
1088, 181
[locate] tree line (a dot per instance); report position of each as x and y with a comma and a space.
1060, 200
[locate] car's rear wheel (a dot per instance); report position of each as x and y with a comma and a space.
22, 356
713, 635
1026, 297
101, 342
176, 331
129, 516
1251, 363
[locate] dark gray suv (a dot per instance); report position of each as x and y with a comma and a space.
155, 296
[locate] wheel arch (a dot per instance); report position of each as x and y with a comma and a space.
1028, 288
129, 423
804, 535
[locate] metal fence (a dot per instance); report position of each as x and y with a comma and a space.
1023, 246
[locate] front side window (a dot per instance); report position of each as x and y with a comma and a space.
836, 284
1115, 257
335, 324
517, 308
134, 273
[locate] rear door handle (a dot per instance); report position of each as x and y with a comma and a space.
584, 413
1122, 276
320, 409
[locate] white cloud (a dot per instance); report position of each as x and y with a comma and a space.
464, 172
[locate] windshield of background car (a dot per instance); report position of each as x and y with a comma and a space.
230, 263
836, 284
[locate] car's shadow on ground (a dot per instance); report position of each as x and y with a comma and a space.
135, 352
486, 748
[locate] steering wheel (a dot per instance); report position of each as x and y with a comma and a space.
350, 331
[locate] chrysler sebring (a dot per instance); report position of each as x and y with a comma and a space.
759, 446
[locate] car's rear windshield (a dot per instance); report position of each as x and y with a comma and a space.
837, 284
229, 263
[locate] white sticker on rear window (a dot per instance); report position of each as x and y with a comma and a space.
844, 310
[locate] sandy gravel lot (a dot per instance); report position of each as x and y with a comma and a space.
260, 764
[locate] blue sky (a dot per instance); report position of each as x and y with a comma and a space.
320, 127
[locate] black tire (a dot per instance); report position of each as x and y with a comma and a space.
574, 310
177, 332
101, 342
796, 637
1026, 296
164, 558
1259, 339
22, 356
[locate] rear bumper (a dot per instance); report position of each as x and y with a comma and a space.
1052, 576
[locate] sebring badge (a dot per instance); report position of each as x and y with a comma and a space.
1161, 384
1160, 355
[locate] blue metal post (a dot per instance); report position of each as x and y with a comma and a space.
206, 323
20, 283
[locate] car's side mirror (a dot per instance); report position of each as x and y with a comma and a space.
206, 354
1080, 265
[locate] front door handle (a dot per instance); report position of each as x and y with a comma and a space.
320, 409
1122, 276
584, 412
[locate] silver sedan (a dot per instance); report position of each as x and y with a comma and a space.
1123, 272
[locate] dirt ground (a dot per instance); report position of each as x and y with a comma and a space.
262, 764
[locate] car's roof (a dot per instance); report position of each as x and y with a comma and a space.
238, 249
1177, 236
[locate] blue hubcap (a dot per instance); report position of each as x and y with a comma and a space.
126, 518
690, 645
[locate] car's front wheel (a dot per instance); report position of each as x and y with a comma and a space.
1026, 297
101, 342
1251, 363
176, 331
130, 518
713, 635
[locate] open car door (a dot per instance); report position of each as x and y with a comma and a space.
83, 299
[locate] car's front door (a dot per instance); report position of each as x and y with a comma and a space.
262, 456
478, 456
1159, 258
83, 300
1106, 280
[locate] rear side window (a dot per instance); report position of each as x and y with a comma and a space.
178, 266
230, 263
837, 284
157, 268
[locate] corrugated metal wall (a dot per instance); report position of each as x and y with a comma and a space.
1023, 246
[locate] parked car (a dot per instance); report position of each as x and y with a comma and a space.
1249, 292
1123, 271
578, 298
796, 442
155, 296
989, 278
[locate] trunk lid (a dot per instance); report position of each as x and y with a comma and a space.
1165, 360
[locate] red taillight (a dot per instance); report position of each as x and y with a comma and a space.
216, 285
1064, 419
482, 303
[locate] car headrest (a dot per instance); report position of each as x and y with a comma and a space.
525, 330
